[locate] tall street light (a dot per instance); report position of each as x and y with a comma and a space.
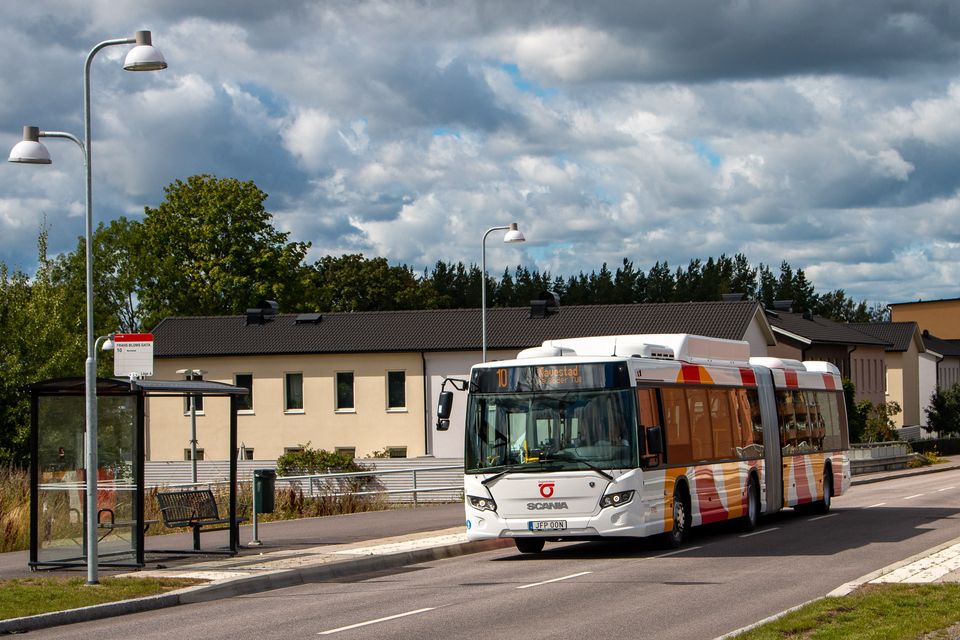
143, 57
193, 374
512, 235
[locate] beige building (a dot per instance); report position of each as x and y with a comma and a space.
939, 317
859, 356
911, 369
365, 383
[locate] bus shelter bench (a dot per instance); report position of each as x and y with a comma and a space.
111, 524
196, 509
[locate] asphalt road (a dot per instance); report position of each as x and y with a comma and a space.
722, 580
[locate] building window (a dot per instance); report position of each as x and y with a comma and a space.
245, 380
186, 454
197, 398
292, 449
245, 453
350, 452
293, 392
396, 452
396, 390
345, 391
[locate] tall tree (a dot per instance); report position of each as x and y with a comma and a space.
210, 248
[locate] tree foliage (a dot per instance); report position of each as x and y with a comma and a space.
210, 248
943, 414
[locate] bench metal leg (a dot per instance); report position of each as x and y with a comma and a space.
196, 538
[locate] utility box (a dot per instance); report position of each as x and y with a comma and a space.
264, 485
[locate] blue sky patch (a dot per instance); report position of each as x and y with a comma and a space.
704, 151
525, 85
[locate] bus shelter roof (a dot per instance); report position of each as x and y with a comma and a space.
123, 386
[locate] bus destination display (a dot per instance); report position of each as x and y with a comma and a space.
553, 377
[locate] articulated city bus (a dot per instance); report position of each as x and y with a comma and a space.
641, 435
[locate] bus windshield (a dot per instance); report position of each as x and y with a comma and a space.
572, 430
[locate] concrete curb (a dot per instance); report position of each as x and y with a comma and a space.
230, 587
853, 585
920, 471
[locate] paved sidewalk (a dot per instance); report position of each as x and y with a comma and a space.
299, 551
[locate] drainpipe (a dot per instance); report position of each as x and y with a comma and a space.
427, 439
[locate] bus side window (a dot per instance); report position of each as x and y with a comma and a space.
676, 427
649, 415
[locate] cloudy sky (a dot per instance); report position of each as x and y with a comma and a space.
824, 133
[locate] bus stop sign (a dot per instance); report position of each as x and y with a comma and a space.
133, 354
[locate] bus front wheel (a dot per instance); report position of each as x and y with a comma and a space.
681, 519
529, 545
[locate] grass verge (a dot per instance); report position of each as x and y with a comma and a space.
32, 596
881, 612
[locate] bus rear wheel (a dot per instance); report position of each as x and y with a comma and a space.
529, 545
823, 506
752, 516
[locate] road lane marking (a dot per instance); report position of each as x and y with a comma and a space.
756, 533
829, 515
944, 489
916, 495
363, 624
879, 504
678, 551
537, 584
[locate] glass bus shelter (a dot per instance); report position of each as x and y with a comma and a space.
58, 468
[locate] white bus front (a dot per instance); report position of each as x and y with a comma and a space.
552, 452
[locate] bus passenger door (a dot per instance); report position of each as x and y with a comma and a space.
773, 456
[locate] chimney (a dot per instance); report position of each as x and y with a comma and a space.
547, 300
783, 305
264, 311
733, 297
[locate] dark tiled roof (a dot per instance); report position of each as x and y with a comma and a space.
894, 304
443, 330
898, 334
820, 330
949, 348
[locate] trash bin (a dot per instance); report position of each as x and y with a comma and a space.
264, 483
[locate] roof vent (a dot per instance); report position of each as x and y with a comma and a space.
265, 310
783, 305
308, 318
733, 297
547, 300
808, 315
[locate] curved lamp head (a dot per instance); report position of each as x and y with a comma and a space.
30, 150
513, 234
144, 56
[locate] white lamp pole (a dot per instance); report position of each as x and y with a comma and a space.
512, 235
143, 57
193, 374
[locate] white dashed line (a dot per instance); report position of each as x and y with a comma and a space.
678, 552
879, 504
757, 533
363, 624
944, 489
916, 495
829, 515
537, 584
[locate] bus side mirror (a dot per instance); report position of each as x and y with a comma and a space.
445, 405
443, 410
654, 440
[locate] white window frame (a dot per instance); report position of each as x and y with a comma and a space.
253, 407
286, 396
390, 409
336, 393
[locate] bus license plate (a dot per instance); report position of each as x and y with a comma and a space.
547, 525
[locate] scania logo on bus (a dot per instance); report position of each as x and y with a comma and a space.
540, 506
546, 488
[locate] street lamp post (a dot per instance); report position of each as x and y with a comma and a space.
143, 57
512, 235
193, 374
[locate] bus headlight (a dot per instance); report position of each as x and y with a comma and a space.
616, 499
483, 504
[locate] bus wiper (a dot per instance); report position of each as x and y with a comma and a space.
567, 457
500, 474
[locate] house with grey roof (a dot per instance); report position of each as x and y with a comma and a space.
911, 370
368, 382
859, 356
948, 369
